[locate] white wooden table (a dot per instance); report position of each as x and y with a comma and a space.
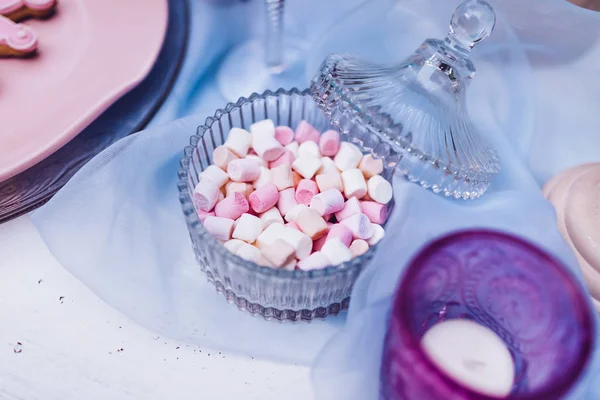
74, 346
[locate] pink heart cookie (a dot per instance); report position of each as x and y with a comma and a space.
17, 10
16, 39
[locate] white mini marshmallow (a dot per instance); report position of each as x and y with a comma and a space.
206, 194
238, 141
316, 260
311, 223
302, 243
280, 253
243, 170
282, 177
249, 252
330, 180
379, 189
327, 165
307, 166
328, 202
370, 166
309, 148
270, 235
222, 156
360, 226
354, 183
336, 251
266, 177
219, 227
271, 216
265, 127
247, 228
233, 244
347, 157
266, 146
293, 147
215, 174
378, 234
293, 213
359, 247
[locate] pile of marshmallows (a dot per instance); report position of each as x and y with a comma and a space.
292, 200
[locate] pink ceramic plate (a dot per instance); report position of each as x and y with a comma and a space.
89, 54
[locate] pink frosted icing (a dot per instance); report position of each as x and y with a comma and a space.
18, 37
7, 6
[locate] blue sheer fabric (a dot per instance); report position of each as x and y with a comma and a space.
117, 226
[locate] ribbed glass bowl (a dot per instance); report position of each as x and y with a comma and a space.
272, 293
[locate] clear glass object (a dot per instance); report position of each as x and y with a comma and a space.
502, 282
272, 293
258, 65
413, 114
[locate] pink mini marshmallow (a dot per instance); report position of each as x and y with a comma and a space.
282, 177
306, 131
206, 194
318, 244
376, 212
223, 156
305, 191
287, 200
284, 135
341, 232
264, 198
360, 226
359, 247
286, 158
220, 228
243, 170
370, 166
232, 206
351, 207
328, 202
311, 223
202, 215
329, 143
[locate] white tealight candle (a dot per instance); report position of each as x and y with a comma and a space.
471, 354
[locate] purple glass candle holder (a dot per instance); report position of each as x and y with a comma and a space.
528, 298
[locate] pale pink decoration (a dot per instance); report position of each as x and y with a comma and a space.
351, 207
376, 212
306, 131
305, 191
286, 158
287, 200
284, 135
18, 39
341, 232
329, 143
232, 206
264, 198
